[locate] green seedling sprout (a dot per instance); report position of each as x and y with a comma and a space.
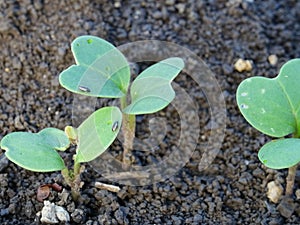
38, 151
272, 106
101, 70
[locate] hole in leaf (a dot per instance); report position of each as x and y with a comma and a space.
115, 126
244, 106
84, 89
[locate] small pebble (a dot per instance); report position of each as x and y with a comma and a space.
78, 216
48, 213
227, 69
297, 194
3, 163
117, 4
53, 214
18, 123
273, 59
243, 65
62, 214
180, 7
170, 2
286, 207
4, 212
274, 191
4, 25
258, 173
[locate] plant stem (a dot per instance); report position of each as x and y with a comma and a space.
290, 180
72, 178
128, 129
76, 169
66, 175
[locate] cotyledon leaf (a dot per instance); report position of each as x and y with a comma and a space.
272, 106
36, 151
281, 153
97, 133
151, 91
101, 70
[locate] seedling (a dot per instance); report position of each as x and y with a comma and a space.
101, 70
38, 152
272, 106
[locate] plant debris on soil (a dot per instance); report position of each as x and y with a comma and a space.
35, 47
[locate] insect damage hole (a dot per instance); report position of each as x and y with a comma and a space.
244, 106
84, 89
115, 126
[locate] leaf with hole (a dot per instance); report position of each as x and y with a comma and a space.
272, 106
36, 152
97, 133
281, 153
101, 70
151, 91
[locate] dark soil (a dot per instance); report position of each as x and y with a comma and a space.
35, 39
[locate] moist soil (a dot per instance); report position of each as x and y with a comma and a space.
35, 47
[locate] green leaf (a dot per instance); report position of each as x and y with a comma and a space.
97, 133
101, 70
272, 106
280, 154
36, 152
151, 91
55, 138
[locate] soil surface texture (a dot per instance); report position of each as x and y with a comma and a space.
35, 38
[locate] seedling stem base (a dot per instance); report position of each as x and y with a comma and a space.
128, 129
290, 180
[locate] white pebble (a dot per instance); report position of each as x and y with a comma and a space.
48, 213
117, 4
242, 65
273, 59
297, 194
53, 214
274, 191
62, 214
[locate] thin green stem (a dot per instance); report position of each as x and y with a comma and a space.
66, 175
128, 129
76, 169
72, 178
123, 101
